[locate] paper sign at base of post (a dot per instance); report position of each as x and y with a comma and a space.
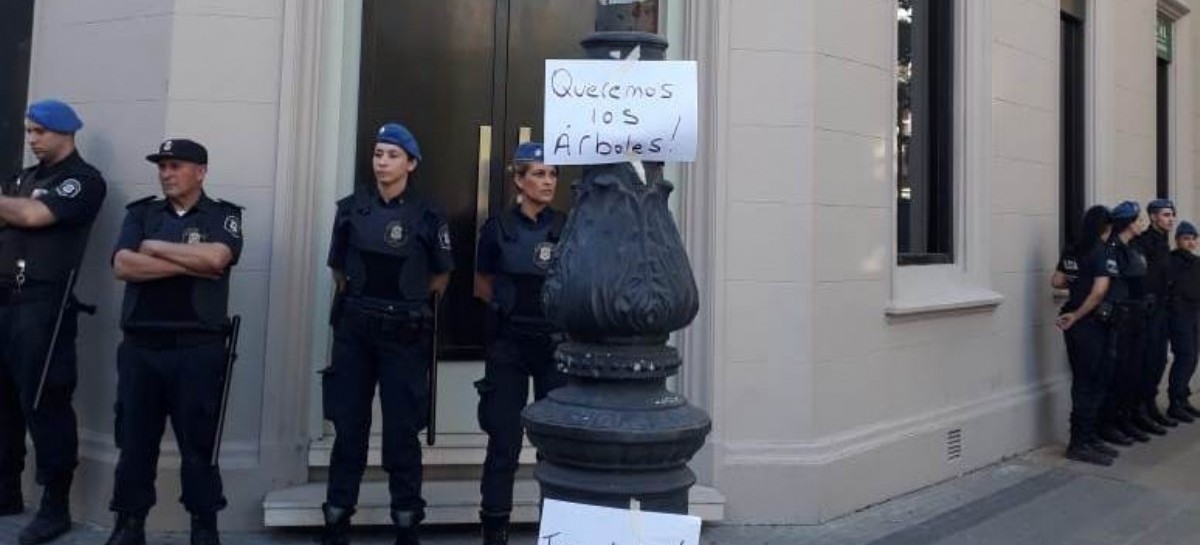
600, 112
565, 523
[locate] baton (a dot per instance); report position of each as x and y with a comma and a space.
431, 429
62, 309
230, 357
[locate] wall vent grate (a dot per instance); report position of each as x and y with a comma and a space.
954, 444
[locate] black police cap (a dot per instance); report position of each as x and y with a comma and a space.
180, 149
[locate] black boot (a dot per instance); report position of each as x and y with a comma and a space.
1156, 416
1124, 424
1097, 445
1142, 422
204, 529
1187, 406
406, 526
1110, 434
1177, 411
337, 525
129, 530
495, 528
11, 500
53, 518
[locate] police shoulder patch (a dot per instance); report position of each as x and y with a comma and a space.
1110, 265
69, 188
233, 225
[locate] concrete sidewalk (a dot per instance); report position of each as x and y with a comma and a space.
1151, 496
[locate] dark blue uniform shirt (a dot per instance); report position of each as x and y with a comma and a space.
1082, 273
73, 191
388, 250
1133, 269
516, 250
179, 303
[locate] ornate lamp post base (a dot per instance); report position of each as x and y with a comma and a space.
620, 284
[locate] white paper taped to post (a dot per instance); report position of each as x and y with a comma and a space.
566, 523
601, 111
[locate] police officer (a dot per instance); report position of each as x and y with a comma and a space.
390, 251
45, 215
1128, 343
175, 255
514, 253
1184, 305
1155, 244
1088, 270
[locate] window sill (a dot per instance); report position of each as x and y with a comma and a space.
965, 300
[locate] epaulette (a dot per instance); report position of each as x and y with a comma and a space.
227, 203
142, 201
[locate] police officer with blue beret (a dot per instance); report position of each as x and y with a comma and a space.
1182, 319
1128, 344
390, 251
1088, 270
46, 213
1155, 244
174, 254
514, 253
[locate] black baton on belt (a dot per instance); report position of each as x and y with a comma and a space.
431, 429
230, 356
62, 310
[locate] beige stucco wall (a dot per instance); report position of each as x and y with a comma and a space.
825, 401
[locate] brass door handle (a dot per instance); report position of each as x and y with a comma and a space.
483, 192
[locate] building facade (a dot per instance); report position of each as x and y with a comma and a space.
880, 196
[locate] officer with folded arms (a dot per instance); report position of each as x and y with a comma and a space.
175, 256
46, 213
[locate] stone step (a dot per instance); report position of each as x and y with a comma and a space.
448, 502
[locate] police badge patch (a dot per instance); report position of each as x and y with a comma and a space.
444, 238
192, 235
394, 234
69, 188
234, 225
542, 254
1111, 266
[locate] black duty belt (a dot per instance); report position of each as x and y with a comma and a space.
166, 340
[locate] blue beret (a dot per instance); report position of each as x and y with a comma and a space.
529, 152
55, 115
1159, 204
1125, 211
1186, 228
397, 134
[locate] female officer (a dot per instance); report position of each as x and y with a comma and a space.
1087, 270
514, 253
1125, 345
390, 250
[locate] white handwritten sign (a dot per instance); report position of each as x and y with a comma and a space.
616, 111
565, 523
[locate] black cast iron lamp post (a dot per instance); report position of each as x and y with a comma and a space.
619, 285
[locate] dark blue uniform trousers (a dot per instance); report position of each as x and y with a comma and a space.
370, 349
26, 326
1183, 324
1091, 373
1156, 352
1127, 348
513, 359
161, 376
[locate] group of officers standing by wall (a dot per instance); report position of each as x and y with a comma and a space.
391, 259
1130, 298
